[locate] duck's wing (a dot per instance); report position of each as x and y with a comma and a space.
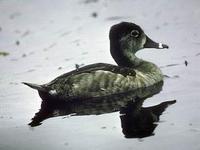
100, 66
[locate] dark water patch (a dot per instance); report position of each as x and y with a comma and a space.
50, 47
77, 42
170, 65
31, 70
172, 77
176, 76
51, 21
17, 31
65, 34
195, 130
90, 1
14, 15
17, 43
66, 143
195, 34
8, 117
24, 55
198, 54
94, 14
84, 53
2, 53
27, 71
172, 124
0, 29
68, 59
186, 63
59, 68
141, 140
157, 27
31, 53
13, 83
26, 33
115, 18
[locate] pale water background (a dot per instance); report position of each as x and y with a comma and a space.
47, 38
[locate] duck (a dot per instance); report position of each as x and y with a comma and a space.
103, 79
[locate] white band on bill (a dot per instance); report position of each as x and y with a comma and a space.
160, 45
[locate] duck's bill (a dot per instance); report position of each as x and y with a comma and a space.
151, 44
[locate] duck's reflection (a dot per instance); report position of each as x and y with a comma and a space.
139, 122
136, 121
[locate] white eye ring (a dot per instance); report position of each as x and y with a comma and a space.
135, 33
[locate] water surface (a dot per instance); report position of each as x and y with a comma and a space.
47, 38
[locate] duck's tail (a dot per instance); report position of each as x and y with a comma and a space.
35, 86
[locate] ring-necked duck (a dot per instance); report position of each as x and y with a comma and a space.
103, 79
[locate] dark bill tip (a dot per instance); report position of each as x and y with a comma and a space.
161, 46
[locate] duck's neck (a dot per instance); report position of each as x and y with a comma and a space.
125, 58
134, 61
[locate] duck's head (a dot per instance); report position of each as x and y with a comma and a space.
126, 39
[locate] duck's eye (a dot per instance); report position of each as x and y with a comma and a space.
135, 33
